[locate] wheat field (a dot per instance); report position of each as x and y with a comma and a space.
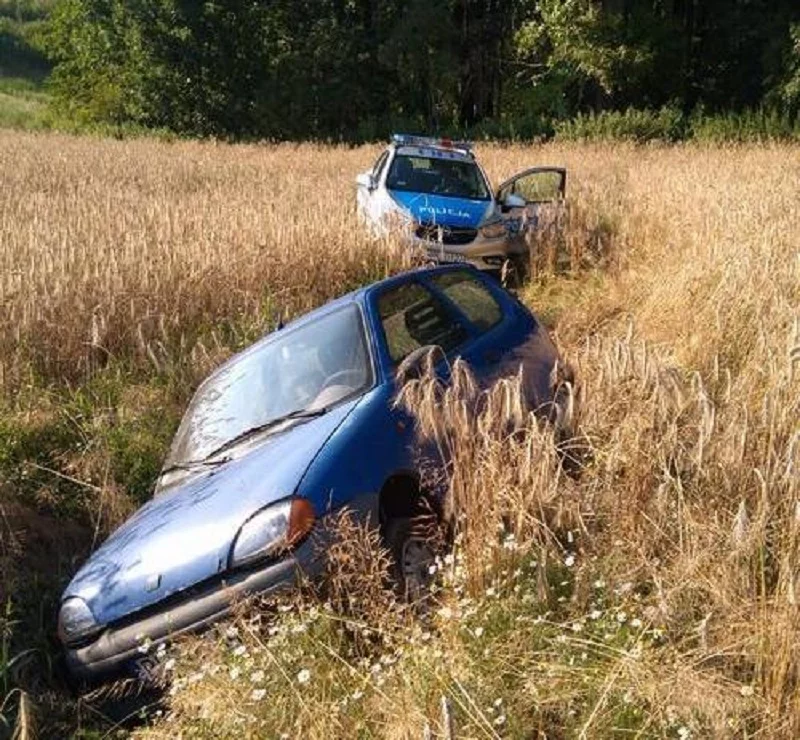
653, 595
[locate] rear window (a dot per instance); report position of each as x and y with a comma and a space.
471, 297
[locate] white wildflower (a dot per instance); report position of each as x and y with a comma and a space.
239, 651
304, 676
569, 561
595, 614
636, 622
478, 632
622, 617
234, 673
741, 523
599, 583
258, 694
498, 721
257, 677
746, 690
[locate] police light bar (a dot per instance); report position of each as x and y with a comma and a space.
430, 141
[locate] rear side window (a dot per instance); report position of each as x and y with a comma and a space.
412, 317
471, 297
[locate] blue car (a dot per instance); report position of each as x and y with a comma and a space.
434, 194
287, 432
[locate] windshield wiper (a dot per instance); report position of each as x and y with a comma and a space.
193, 464
253, 431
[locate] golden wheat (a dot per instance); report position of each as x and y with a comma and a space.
684, 329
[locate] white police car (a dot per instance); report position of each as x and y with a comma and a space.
437, 197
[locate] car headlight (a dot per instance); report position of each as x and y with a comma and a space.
272, 531
493, 230
76, 623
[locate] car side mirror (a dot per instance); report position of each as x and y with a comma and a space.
420, 363
513, 201
366, 180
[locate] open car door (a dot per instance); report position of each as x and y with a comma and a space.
533, 198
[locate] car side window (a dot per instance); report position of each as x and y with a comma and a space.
412, 317
471, 297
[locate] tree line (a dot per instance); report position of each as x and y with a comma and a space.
357, 69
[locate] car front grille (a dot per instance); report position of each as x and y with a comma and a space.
446, 234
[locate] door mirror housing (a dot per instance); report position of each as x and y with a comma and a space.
420, 363
366, 180
512, 200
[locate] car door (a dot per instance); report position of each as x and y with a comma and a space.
408, 315
498, 324
537, 198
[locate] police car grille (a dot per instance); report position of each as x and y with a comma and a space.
450, 234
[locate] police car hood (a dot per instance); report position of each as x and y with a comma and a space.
444, 210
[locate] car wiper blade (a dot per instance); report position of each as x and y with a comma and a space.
194, 464
253, 431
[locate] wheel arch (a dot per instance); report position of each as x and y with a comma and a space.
400, 496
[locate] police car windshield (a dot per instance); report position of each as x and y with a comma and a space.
449, 177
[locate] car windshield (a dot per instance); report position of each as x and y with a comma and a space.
298, 372
449, 177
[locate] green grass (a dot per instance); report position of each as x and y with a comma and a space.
21, 108
23, 66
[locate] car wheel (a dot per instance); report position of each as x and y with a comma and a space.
413, 555
514, 272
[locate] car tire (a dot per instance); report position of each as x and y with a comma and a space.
413, 556
515, 272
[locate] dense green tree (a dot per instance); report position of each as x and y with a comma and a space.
354, 69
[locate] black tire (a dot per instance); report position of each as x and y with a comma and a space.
516, 271
413, 554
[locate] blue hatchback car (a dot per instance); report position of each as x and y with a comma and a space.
292, 429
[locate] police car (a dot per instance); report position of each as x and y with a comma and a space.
435, 195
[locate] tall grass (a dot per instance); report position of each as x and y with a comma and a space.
654, 592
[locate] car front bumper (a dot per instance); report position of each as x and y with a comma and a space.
483, 253
128, 640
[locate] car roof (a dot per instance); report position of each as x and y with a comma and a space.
432, 146
436, 152
357, 296
360, 294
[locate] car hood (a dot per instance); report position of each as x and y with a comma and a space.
444, 210
184, 535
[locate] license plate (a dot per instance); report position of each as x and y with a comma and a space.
440, 255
